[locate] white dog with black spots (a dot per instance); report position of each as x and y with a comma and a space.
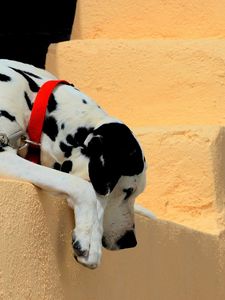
85, 154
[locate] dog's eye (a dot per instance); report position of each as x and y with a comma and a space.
128, 192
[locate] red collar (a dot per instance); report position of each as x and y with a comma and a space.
37, 118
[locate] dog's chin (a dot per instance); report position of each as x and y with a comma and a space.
108, 246
111, 248
117, 246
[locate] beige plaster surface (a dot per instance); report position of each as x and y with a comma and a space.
148, 82
138, 19
185, 174
170, 262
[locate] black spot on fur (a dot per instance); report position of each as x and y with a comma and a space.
4, 113
32, 84
84, 101
57, 166
67, 166
77, 140
2, 149
66, 149
81, 135
52, 104
75, 87
29, 104
51, 128
31, 74
78, 251
4, 77
62, 126
70, 139
71, 84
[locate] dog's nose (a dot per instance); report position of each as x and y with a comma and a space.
128, 240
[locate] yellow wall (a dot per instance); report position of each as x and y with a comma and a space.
138, 19
170, 262
148, 82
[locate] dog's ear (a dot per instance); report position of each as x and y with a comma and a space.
113, 152
103, 172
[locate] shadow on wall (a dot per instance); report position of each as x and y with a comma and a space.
28, 27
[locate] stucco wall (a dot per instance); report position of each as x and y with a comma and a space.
141, 19
170, 262
148, 82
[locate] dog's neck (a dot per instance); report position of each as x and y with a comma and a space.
75, 117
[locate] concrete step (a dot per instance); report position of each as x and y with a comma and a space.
148, 82
185, 175
149, 18
154, 87
170, 261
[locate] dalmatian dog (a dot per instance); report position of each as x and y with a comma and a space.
85, 154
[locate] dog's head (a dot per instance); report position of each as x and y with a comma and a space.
117, 172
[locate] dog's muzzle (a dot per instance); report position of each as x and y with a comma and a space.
128, 240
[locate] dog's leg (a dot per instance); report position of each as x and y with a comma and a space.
80, 193
94, 258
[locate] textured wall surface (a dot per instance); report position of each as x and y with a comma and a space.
151, 82
36, 261
149, 19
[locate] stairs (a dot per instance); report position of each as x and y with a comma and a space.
148, 82
160, 67
145, 19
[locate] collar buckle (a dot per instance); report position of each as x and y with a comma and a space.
17, 140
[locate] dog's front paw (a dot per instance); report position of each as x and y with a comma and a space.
80, 245
91, 262
91, 258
